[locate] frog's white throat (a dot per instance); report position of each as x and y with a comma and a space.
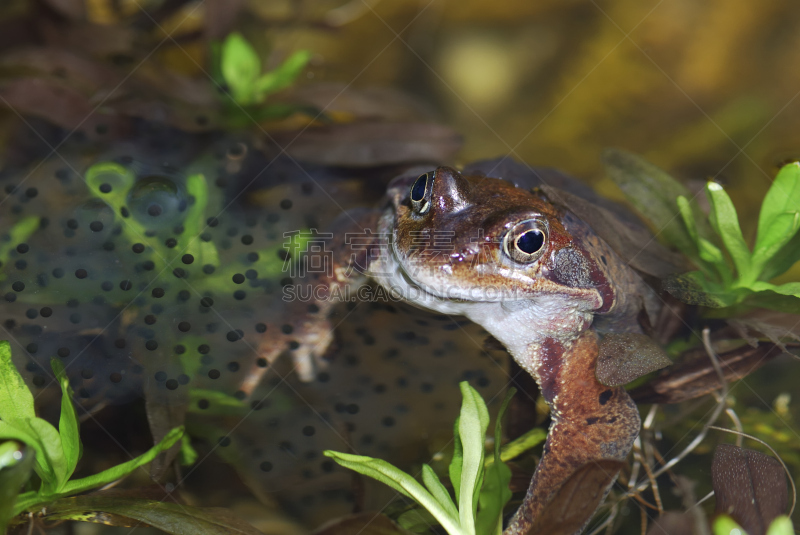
521, 324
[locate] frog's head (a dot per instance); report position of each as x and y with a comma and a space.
458, 241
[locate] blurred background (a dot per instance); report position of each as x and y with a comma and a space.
704, 89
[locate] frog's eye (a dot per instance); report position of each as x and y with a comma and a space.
526, 241
420, 193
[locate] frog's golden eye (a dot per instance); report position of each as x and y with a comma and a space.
526, 241
420, 193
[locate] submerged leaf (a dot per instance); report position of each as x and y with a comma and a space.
672, 523
625, 357
170, 517
749, 486
652, 192
633, 243
697, 376
690, 288
371, 144
577, 499
363, 524
16, 465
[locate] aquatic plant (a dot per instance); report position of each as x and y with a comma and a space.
480, 487
57, 450
725, 525
729, 273
241, 69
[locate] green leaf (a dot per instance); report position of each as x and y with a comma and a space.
16, 400
16, 465
68, 426
188, 454
782, 525
51, 464
726, 223
652, 192
784, 259
706, 252
416, 520
283, 76
724, 525
121, 180
402, 483
495, 493
219, 402
454, 470
790, 288
520, 445
42, 467
473, 422
774, 301
170, 517
240, 67
18, 233
779, 219
438, 490
116, 472
204, 252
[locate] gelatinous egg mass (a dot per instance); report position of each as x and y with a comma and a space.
160, 284
157, 201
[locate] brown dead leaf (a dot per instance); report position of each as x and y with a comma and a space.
363, 524
72, 9
749, 486
220, 16
371, 144
697, 377
367, 104
80, 72
672, 523
53, 101
577, 499
625, 357
367, 144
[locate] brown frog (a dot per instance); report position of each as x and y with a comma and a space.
530, 272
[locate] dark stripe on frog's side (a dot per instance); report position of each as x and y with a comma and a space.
591, 422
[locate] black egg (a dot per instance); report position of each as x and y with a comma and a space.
157, 202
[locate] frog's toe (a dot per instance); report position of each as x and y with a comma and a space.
306, 342
308, 356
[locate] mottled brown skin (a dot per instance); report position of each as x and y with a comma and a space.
545, 311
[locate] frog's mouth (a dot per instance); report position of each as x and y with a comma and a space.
429, 285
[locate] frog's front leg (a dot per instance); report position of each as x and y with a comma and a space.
331, 266
590, 421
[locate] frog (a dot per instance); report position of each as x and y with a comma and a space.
517, 262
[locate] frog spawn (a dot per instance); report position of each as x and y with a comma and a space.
129, 308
